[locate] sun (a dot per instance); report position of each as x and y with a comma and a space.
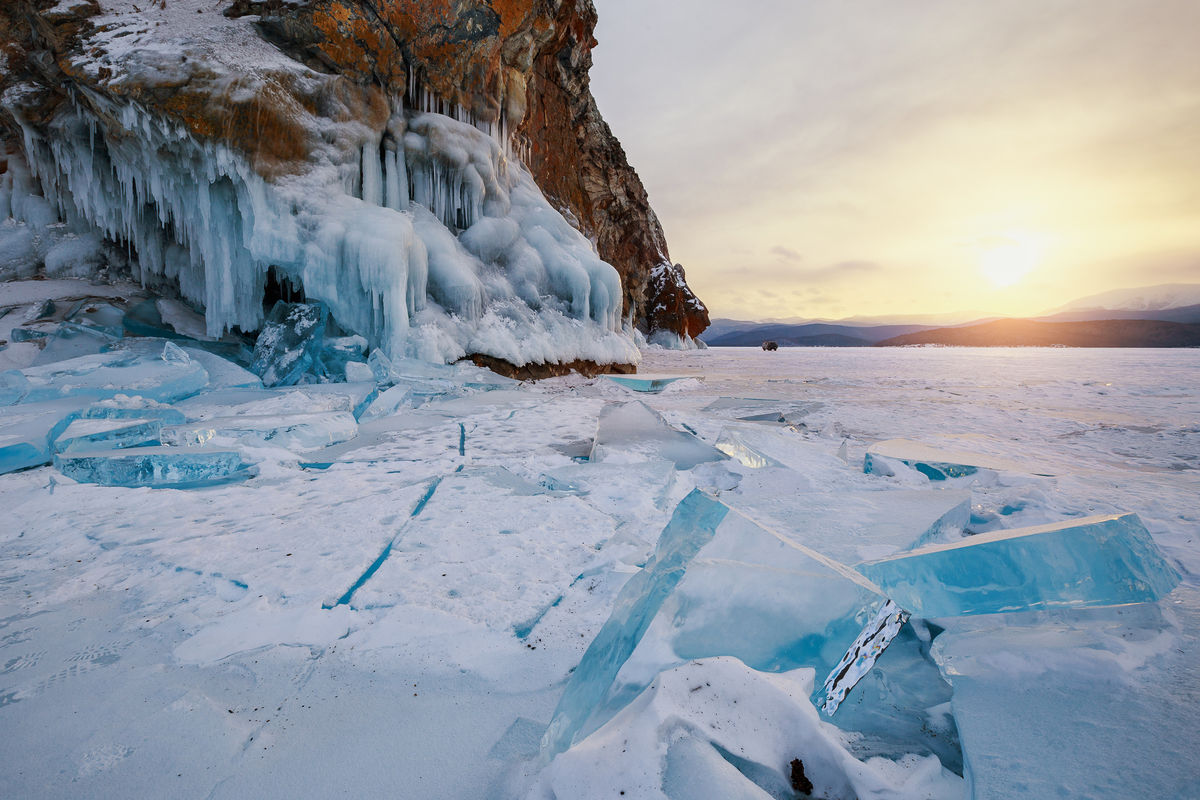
1005, 260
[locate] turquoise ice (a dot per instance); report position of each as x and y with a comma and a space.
97, 434
165, 378
290, 343
1093, 561
177, 467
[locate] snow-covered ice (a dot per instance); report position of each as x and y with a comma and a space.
409, 607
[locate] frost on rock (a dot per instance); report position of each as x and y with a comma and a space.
425, 239
290, 342
1094, 561
174, 467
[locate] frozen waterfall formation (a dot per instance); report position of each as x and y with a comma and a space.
403, 197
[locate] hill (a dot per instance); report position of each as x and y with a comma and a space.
1032, 333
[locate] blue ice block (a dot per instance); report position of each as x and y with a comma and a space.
290, 343
646, 383
28, 431
72, 341
938, 464
1094, 561
165, 467
692, 526
131, 408
99, 434
165, 378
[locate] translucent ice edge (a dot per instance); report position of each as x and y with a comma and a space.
938, 464
1093, 561
646, 383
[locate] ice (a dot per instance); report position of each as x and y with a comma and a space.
223, 373
28, 431
937, 464
124, 407
164, 467
693, 524
478, 262
647, 383
298, 432
1102, 560
307, 398
737, 446
631, 432
289, 344
716, 728
337, 353
96, 434
117, 372
72, 341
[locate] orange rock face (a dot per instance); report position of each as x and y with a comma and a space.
270, 78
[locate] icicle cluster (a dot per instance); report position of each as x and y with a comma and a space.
437, 245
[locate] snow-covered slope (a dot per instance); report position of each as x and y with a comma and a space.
1143, 298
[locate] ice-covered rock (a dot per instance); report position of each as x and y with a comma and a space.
1093, 561
165, 467
290, 342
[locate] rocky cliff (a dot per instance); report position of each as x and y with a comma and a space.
123, 107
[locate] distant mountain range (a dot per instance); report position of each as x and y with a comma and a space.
1108, 315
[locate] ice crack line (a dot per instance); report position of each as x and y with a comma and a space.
369, 573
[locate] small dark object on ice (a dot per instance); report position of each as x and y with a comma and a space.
800, 781
770, 345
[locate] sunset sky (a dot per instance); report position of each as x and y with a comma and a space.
874, 157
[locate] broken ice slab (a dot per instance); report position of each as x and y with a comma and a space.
125, 407
734, 444
632, 432
222, 372
13, 387
290, 431
99, 434
289, 344
73, 341
1093, 561
164, 467
938, 464
165, 378
647, 383
339, 351
28, 431
693, 524
854, 525
308, 398
99, 315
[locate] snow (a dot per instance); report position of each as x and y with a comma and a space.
192, 642
1143, 298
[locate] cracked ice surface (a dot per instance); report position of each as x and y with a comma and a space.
189, 629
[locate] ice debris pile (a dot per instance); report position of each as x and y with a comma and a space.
116, 392
432, 242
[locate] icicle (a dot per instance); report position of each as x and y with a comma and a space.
372, 177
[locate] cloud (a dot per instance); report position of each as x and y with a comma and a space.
786, 253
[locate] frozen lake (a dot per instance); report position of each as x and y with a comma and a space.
401, 615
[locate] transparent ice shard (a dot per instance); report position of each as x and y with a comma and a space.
166, 467
337, 352
734, 444
290, 431
73, 341
632, 432
99, 315
28, 431
289, 344
693, 524
938, 464
647, 383
13, 387
98, 434
1093, 561
119, 372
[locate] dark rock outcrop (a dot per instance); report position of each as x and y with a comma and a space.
237, 80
